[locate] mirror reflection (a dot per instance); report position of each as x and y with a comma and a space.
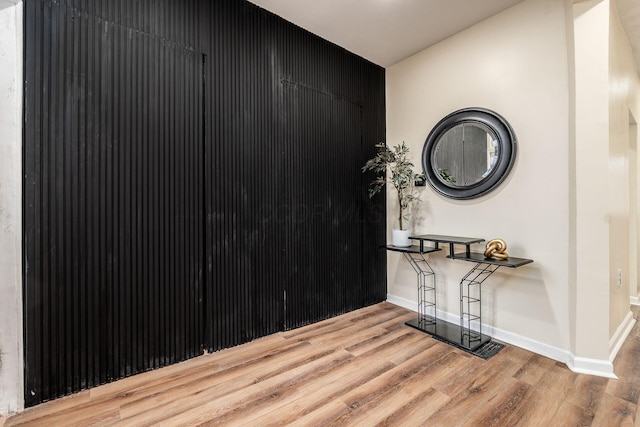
466, 154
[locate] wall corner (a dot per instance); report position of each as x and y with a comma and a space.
11, 323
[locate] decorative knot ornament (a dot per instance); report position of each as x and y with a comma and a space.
496, 249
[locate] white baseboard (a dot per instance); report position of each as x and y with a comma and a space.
621, 335
634, 300
401, 302
598, 367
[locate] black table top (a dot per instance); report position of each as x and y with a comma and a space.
448, 239
511, 262
414, 249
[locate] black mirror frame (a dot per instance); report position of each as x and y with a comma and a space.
506, 141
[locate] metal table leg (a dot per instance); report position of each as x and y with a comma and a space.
426, 279
471, 303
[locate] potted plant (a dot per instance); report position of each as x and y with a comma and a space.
402, 177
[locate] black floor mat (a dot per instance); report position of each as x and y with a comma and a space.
488, 350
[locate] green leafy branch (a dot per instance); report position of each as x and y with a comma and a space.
401, 176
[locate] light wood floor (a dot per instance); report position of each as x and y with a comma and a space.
364, 368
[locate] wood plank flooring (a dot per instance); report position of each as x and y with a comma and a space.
364, 368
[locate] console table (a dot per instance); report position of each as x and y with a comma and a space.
462, 335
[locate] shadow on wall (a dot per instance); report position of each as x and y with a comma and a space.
7, 4
527, 280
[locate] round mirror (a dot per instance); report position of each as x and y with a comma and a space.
468, 153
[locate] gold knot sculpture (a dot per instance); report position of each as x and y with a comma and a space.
496, 249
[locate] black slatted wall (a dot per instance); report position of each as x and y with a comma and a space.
191, 182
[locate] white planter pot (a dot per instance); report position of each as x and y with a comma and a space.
400, 238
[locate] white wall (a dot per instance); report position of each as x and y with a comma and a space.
11, 365
606, 86
624, 85
563, 75
590, 188
514, 63
634, 206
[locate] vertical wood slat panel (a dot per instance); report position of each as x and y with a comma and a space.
104, 222
169, 142
255, 245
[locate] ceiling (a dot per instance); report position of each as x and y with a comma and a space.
387, 31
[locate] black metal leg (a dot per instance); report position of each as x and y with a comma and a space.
426, 280
471, 301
